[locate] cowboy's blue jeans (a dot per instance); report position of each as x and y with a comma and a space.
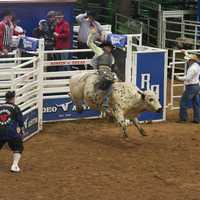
191, 94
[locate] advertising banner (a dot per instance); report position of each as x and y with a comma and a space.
117, 40
63, 109
31, 123
151, 76
28, 43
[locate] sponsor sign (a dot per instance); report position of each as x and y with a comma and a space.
151, 76
63, 109
31, 123
117, 40
28, 43
67, 62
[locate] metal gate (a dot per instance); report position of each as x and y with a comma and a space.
167, 29
179, 32
150, 15
127, 25
178, 68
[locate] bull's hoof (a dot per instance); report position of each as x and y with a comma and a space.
110, 118
125, 139
142, 132
103, 115
125, 135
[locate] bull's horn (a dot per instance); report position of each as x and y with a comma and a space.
142, 94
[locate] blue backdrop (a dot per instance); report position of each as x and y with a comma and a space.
152, 67
31, 123
30, 14
62, 109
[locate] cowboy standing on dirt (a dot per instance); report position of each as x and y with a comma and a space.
192, 89
11, 129
102, 61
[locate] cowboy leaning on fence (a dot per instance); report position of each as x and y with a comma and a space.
192, 89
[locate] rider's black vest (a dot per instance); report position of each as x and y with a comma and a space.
105, 59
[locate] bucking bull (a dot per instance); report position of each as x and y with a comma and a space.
126, 102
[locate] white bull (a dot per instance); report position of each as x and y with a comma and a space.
126, 102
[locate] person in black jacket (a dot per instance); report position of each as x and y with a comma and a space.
12, 128
41, 32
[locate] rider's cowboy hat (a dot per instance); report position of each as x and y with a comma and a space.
107, 44
91, 14
191, 57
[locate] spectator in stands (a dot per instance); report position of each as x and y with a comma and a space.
6, 32
17, 30
51, 22
87, 21
62, 37
17, 33
41, 31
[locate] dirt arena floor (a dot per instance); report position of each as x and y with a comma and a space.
88, 160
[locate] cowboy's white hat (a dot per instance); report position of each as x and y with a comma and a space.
191, 57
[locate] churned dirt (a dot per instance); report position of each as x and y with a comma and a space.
88, 160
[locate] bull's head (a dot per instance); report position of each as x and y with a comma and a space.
151, 101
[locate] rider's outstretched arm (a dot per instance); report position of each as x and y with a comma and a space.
97, 50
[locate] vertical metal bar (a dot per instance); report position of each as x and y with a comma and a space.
148, 31
165, 84
141, 27
116, 22
195, 37
40, 65
134, 68
164, 33
160, 21
128, 59
172, 78
182, 27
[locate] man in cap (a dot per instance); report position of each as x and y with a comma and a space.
6, 32
103, 62
17, 30
51, 22
41, 31
192, 89
11, 129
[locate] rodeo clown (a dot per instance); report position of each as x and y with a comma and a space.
11, 129
103, 62
192, 88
